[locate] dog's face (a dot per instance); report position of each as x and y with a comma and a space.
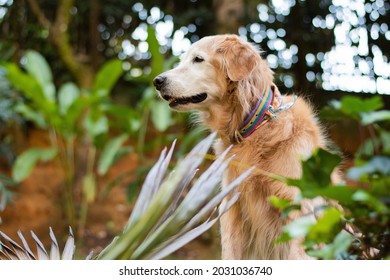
205, 71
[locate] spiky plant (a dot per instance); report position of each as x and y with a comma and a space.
169, 212
16, 252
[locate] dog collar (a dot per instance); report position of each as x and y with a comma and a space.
265, 109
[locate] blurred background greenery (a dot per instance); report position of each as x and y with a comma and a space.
80, 123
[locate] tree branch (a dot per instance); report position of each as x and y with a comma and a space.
63, 15
59, 37
94, 35
39, 14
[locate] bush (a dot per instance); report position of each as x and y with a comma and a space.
361, 230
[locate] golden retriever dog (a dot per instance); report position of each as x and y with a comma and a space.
231, 87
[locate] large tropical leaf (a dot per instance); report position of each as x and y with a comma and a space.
107, 76
26, 83
37, 66
110, 151
157, 63
161, 115
67, 95
27, 160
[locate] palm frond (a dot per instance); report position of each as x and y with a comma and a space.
162, 221
163, 218
14, 251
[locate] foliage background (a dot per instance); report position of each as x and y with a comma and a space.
323, 50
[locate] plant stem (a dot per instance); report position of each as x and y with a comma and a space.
85, 202
70, 203
68, 167
373, 136
69, 181
142, 133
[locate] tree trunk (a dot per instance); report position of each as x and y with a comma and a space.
94, 35
230, 15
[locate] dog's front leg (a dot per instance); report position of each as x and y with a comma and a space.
232, 238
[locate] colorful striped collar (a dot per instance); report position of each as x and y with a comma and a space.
258, 114
265, 109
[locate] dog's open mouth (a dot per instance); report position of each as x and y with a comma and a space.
173, 101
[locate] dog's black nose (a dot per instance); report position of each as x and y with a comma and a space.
159, 81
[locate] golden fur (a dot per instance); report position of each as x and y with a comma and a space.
234, 76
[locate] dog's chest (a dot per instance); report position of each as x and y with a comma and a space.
255, 219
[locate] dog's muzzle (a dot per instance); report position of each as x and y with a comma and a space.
159, 83
173, 101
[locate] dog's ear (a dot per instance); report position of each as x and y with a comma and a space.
239, 58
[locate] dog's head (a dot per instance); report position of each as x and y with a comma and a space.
207, 71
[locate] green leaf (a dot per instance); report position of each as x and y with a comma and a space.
378, 164
67, 95
370, 200
284, 205
341, 243
148, 97
96, 126
331, 114
299, 227
279, 202
334, 250
161, 115
157, 64
374, 117
27, 84
109, 153
50, 92
316, 171
381, 188
288, 209
329, 222
354, 106
6, 195
74, 113
29, 114
89, 188
6, 181
107, 77
385, 139
37, 67
27, 160
31, 89
342, 194
125, 118
368, 148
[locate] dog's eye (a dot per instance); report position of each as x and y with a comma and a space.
198, 59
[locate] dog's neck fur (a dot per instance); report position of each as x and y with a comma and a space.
236, 103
